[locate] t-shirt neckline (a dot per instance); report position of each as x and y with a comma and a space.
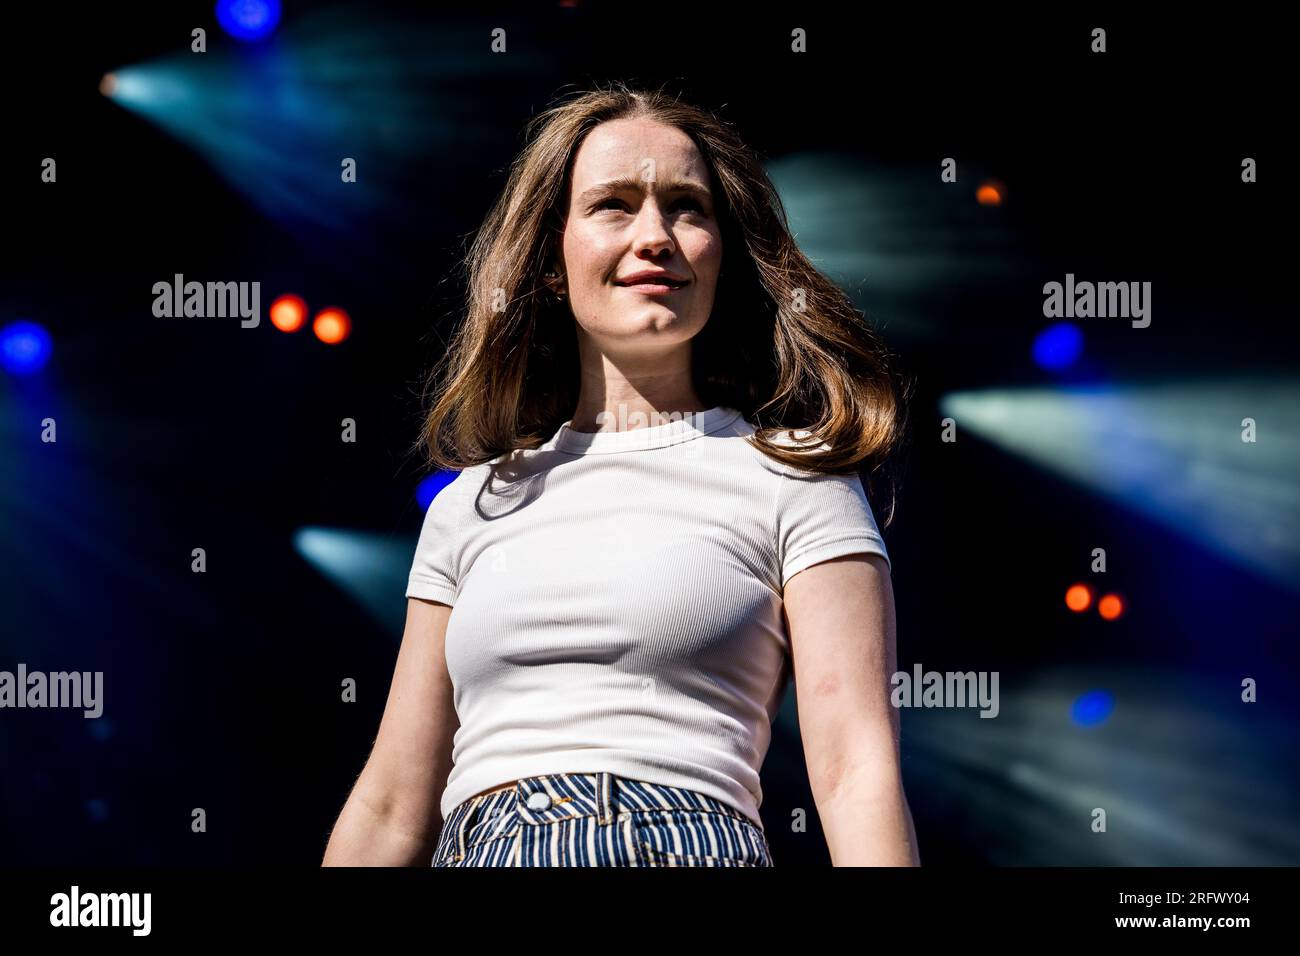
689, 426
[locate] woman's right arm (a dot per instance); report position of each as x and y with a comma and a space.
392, 817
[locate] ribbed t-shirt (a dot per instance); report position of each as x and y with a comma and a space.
617, 602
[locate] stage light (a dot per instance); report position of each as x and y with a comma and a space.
1182, 764
25, 347
1093, 708
989, 194
1058, 346
250, 20
108, 84
1213, 461
269, 123
883, 232
332, 326
1078, 598
1111, 607
429, 487
288, 313
370, 567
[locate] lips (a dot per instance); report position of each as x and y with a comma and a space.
652, 278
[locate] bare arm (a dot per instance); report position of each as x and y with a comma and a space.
840, 617
392, 816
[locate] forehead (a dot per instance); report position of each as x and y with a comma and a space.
622, 147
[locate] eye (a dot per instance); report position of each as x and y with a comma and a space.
611, 201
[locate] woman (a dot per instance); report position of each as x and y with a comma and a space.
659, 410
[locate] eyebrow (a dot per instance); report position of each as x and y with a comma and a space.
611, 186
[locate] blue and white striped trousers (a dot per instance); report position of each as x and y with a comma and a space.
598, 819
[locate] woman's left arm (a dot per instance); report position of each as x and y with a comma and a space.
840, 618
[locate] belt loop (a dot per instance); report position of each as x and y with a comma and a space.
604, 798
462, 825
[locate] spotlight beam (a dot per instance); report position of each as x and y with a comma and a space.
1174, 452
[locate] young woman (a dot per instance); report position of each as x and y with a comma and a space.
660, 412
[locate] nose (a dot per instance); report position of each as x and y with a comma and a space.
653, 237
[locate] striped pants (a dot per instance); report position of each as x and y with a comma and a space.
598, 819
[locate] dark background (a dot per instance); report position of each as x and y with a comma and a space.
222, 689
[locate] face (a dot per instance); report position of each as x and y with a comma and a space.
640, 201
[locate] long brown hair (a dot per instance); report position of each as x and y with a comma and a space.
783, 344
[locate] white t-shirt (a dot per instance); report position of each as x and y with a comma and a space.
617, 602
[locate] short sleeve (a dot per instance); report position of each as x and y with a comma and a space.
823, 516
434, 569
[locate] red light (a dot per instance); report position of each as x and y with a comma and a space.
1078, 598
332, 326
990, 194
288, 313
1110, 607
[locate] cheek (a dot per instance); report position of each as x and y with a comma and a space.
705, 254
588, 255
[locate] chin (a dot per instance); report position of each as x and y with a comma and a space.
653, 327
662, 322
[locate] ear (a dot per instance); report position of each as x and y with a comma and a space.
555, 282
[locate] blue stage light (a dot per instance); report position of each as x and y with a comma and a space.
1182, 453
25, 347
248, 19
1058, 346
372, 568
429, 487
1093, 708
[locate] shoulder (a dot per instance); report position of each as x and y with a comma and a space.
452, 501
795, 495
800, 440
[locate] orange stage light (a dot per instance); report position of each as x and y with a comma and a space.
1078, 598
288, 313
989, 194
1110, 607
332, 326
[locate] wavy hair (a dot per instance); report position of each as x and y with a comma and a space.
783, 344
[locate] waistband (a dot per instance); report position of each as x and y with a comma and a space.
548, 797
